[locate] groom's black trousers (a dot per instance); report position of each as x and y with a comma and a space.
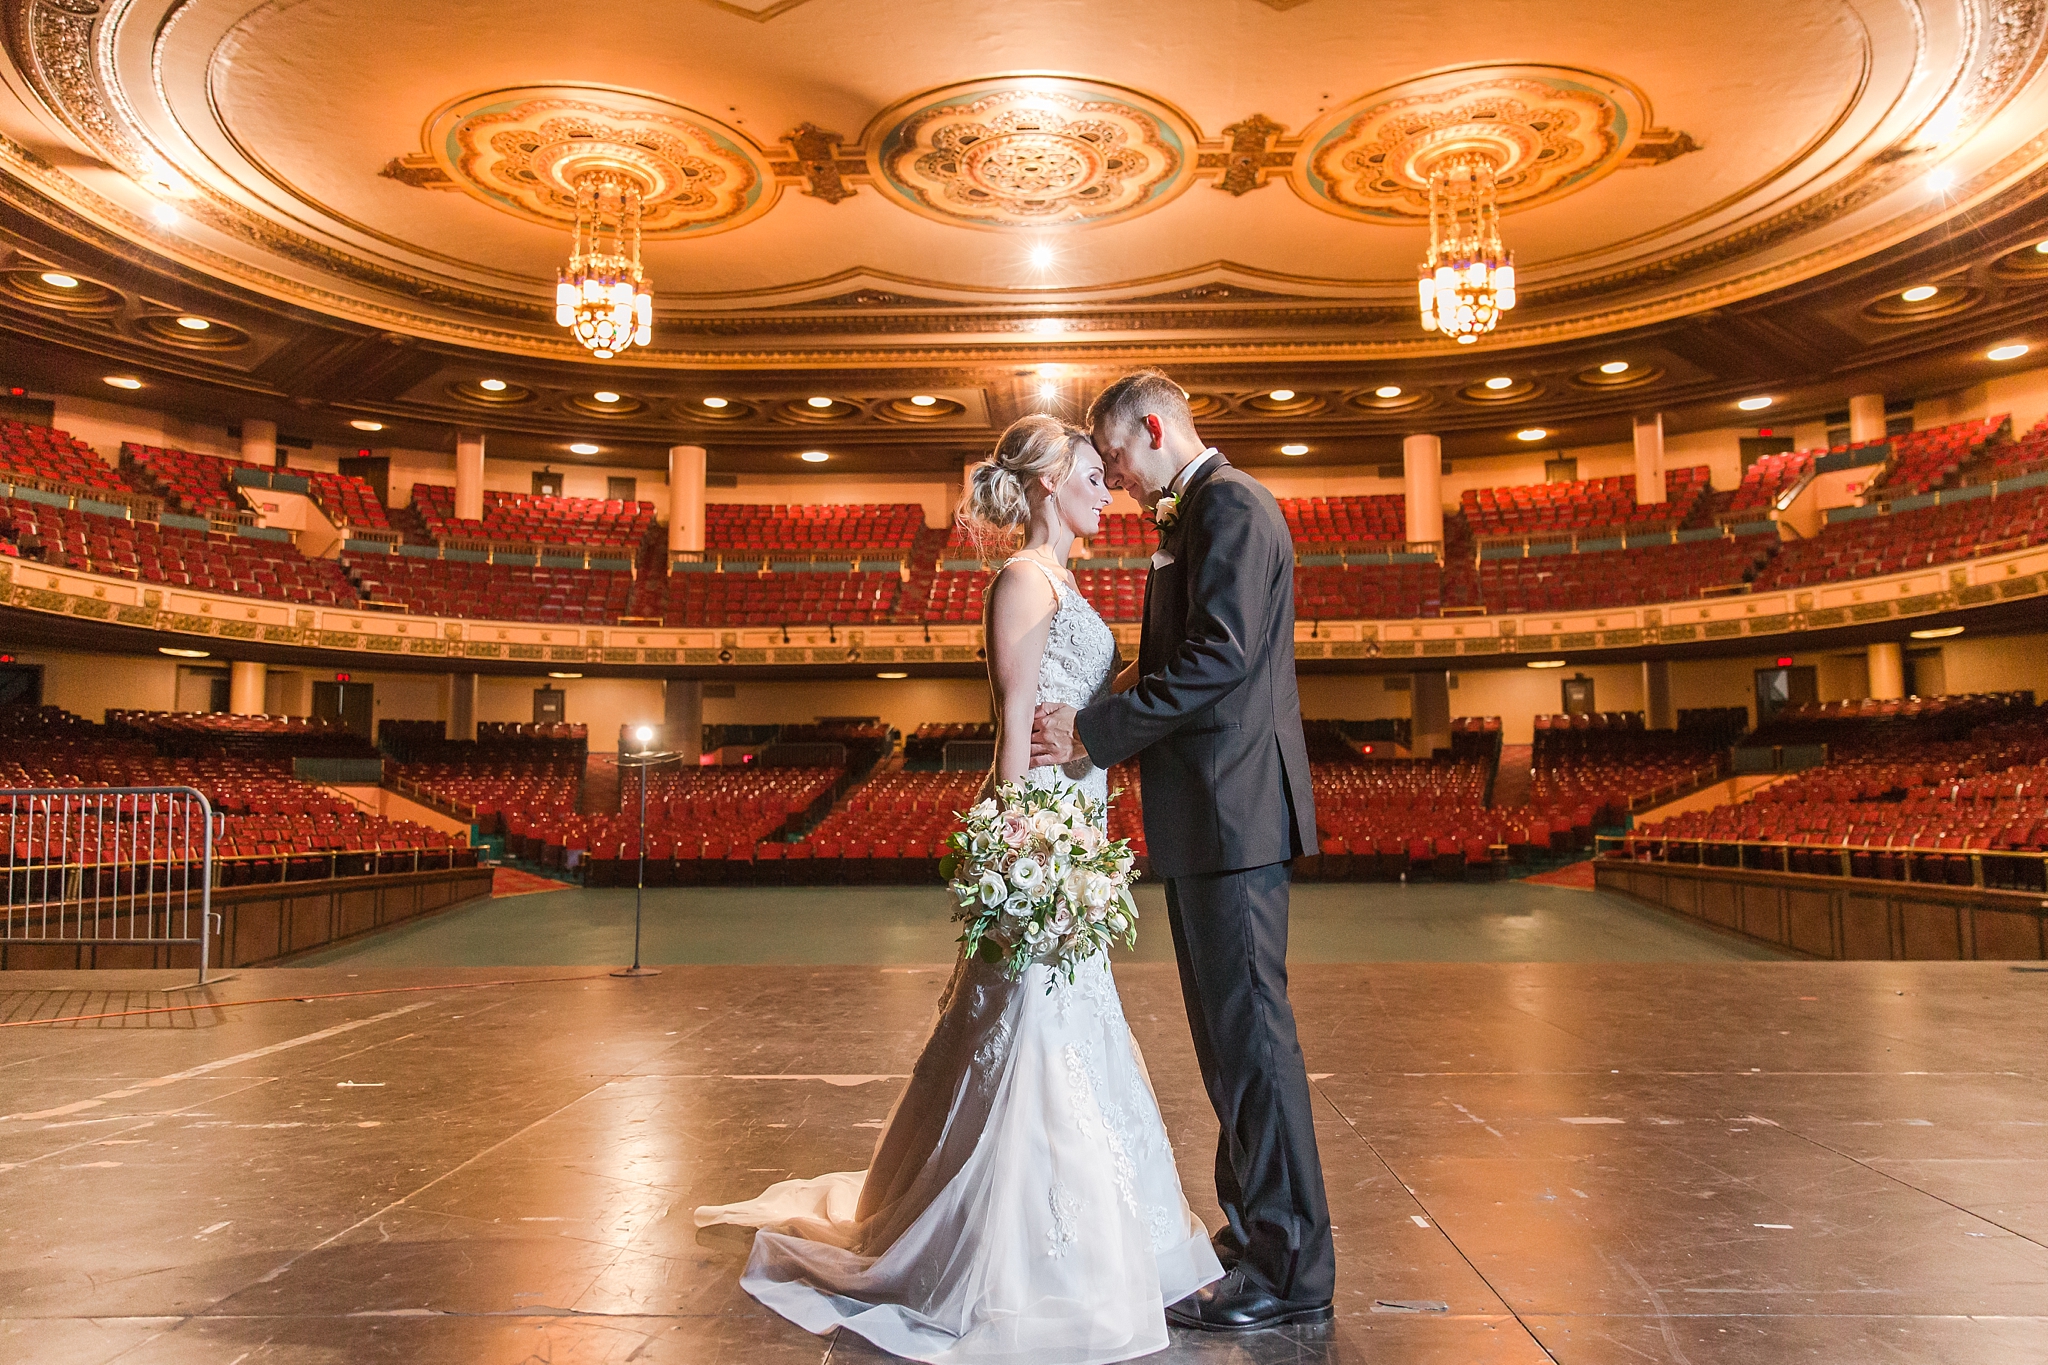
1230, 935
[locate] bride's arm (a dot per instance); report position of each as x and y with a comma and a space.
1020, 611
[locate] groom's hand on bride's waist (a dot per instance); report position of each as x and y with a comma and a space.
1053, 741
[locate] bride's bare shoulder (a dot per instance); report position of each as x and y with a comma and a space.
1021, 597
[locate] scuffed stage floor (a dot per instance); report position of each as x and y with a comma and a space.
1687, 1163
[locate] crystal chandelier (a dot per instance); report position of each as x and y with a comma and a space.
601, 296
1468, 280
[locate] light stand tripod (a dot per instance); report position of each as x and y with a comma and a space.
642, 760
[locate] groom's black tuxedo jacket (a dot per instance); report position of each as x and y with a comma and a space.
1216, 718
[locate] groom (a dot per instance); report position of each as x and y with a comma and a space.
1215, 720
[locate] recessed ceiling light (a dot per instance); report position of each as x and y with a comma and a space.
1546, 663
892, 677
565, 675
183, 653
192, 324
1041, 256
819, 402
363, 424
1941, 181
1531, 434
814, 457
2012, 352
122, 381
583, 448
1048, 372
1919, 292
1281, 395
1047, 391
1500, 381
714, 402
491, 385
165, 215
922, 400
1387, 391
605, 396
1295, 448
59, 279
1614, 367
1936, 632
1754, 404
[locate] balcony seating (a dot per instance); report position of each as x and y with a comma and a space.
528, 519
200, 485
1869, 546
1330, 522
180, 558
1329, 592
1621, 578
346, 500
46, 453
1766, 480
1124, 535
427, 587
1925, 460
812, 529
792, 598
1584, 505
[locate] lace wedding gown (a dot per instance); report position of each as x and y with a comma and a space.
1022, 1204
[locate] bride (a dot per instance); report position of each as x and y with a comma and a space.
1022, 1204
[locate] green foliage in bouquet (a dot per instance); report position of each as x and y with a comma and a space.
1039, 881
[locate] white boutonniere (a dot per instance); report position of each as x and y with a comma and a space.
1167, 512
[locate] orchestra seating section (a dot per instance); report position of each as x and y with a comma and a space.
1868, 546
429, 587
46, 453
1378, 519
1385, 819
927, 744
269, 825
890, 829
1764, 482
496, 743
1606, 765
703, 825
1620, 578
529, 519
1583, 505
812, 529
199, 734
144, 550
1945, 790
1925, 460
1118, 595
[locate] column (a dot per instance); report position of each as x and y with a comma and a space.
683, 717
1657, 712
1866, 418
1649, 459
1422, 463
1887, 671
469, 475
259, 442
462, 689
1429, 713
246, 683
685, 498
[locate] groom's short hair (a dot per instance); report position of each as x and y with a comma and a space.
1125, 402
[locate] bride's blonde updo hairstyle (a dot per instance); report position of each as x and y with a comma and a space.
999, 490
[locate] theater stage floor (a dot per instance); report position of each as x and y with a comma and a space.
1600, 1163
1330, 922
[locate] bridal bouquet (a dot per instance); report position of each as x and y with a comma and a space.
1039, 881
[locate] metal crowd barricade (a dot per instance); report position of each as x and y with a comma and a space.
107, 865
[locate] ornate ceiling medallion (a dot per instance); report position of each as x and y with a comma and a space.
1546, 131
1031, 151
525, 150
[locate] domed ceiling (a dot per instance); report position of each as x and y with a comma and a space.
932, 188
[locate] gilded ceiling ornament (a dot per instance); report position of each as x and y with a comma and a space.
817, 161
1251, 152
525, 150
1031, 151
1546, 131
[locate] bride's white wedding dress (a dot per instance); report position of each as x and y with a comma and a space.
1022, 1204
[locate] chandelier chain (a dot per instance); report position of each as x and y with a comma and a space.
1468, 279
601, 296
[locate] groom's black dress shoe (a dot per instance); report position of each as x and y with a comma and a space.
1235, 1304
